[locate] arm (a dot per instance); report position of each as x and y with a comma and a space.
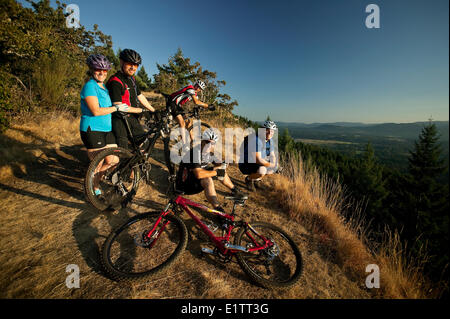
94, 107
130, 108
261, 161
145, 102
198, 102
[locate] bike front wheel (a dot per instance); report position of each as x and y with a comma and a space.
109, 175
144, 246
277, 266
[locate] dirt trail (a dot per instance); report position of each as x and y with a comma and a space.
46, 224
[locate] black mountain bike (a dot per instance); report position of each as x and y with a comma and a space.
119, 181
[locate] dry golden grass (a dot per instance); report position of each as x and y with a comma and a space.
46, 224
31, 136
402, 274
316, 202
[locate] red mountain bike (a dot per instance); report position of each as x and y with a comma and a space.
150, 242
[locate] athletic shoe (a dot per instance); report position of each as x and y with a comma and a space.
250, 185
238, 194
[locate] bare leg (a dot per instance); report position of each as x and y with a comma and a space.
104, 164
227, 181
210, 191
180, 121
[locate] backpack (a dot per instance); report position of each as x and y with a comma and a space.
126, 95
179, 93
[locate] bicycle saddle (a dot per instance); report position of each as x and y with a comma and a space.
237, 198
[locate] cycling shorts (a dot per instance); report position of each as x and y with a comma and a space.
191, 185
249, 168
187, 182
175, 109
97, 139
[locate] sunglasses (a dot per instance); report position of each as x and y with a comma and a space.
101, 71
132, 65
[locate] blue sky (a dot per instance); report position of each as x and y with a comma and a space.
298, 61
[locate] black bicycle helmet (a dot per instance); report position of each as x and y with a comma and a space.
130, 56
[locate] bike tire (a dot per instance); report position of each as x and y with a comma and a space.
172, 242
172, 167
288, 265
98, 201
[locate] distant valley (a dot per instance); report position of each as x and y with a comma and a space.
391, 141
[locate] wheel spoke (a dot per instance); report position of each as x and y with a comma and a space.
124, 256
108, 179
277, 265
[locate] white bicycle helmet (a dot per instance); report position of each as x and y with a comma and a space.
200, 84
210, 135
270, 125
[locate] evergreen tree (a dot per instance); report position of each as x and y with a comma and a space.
286, 143
43, 62
179, 72
367, 184
425, 166
140, 83
144, 77
429, 199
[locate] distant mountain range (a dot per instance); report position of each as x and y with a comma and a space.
347, 130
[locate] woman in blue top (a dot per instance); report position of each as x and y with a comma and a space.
96, 109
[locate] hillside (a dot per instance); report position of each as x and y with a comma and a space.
46, 225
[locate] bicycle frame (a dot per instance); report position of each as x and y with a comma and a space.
139, 153
221, 242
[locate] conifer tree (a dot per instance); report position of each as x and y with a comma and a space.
425, 167
144, 77
286, 142
179, 72
429, 199
368, 184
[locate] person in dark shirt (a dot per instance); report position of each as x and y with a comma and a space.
259, 157
122, 88
196, 176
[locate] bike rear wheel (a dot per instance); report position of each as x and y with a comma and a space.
277, 266
113, 180
130, 253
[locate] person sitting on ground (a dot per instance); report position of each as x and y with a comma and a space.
193, 178
260, 160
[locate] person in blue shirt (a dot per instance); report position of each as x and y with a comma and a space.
96, 108
259, 159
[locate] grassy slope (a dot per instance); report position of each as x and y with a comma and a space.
46, 225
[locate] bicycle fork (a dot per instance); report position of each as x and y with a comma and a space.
153, 234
